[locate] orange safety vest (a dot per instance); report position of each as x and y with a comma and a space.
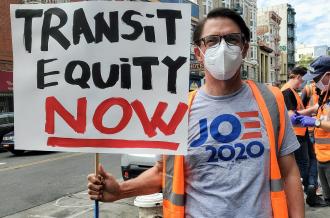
298, 129
313, 99
322, 139
271, 104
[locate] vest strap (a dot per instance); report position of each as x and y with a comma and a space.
276, 185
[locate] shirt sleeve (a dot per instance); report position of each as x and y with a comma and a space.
290, 142
290, 100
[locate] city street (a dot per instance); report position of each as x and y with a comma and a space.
54, 185
113, 77
37, 178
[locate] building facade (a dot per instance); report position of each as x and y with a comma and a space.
248, 11
287, 33
264, 75
6, 57
268, 32
283, 67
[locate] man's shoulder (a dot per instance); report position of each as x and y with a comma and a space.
287, 92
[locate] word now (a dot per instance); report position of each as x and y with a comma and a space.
80, 26
79, 124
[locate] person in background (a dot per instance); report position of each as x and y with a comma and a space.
321, 76
305, 155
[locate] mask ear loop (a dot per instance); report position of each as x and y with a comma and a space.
326, 94
200, 50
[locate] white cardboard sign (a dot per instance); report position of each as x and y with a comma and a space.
101, 77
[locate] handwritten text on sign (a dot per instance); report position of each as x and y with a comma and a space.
101, 76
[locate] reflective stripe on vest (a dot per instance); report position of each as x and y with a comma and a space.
276, 185
322, 141
272, 109
177, 199
298, 129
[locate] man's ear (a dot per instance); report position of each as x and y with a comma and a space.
245, 49
198, 54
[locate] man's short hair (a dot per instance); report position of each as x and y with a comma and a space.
298, 71
224, 13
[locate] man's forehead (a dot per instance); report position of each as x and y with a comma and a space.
220, 26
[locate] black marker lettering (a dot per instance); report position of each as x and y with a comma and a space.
85, 74
146, 63
149, 33
54, 31
138, 29
28, 14
112, 79
170, 17
41, 74
125, 76
80, 26
173, 67
102, 28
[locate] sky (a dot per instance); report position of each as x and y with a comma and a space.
312, 18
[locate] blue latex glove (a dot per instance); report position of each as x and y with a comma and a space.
307, 121
294, 119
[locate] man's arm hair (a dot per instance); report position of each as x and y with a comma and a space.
149, 182
292, 186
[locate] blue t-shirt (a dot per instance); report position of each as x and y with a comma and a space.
227, 165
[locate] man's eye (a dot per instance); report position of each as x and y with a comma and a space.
211, 41
232, 40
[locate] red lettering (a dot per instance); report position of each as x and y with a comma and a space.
169, 129
53, 105
149, 126
78, 124
104, 107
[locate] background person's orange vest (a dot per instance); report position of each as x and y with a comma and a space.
298, 129
272, 107
322, 139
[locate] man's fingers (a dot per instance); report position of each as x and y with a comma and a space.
91, 192
94, 187
93, 179
95, 197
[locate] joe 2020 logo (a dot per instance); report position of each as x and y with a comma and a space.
228, 151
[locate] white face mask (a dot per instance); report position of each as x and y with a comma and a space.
320, 84
223, 61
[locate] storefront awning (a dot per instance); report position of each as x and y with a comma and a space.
6, 81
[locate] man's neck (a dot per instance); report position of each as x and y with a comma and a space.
291, 84
216, 87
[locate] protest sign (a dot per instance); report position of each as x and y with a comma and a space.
101, 77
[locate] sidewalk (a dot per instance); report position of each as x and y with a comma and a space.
79, 206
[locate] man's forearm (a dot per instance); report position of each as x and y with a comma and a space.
295, 196
292, 186
325, 125
148, 182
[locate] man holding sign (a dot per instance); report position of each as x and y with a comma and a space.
239, 161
